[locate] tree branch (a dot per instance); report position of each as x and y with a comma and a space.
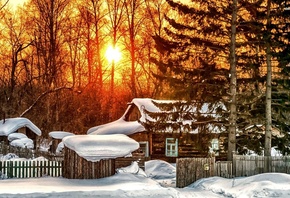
41, 96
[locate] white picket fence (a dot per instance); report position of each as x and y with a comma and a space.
27, 169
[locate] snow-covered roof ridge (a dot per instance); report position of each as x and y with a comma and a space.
96, 147
11, 125
59, 134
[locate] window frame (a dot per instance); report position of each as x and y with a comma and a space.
171, 152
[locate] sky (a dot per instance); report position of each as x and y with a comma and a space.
158, 180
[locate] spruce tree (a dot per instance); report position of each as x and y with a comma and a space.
196, 64
263, 28
197, 51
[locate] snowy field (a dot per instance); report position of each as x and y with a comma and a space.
158, 181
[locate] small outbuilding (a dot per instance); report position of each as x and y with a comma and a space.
93, 156
56, 144
19, 125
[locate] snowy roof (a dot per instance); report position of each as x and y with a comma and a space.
96, 147
122, 126
11, 125
23, 143
15, 136
148, 104
119, 126
59, 134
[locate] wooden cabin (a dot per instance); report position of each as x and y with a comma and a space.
168, 129
169, 146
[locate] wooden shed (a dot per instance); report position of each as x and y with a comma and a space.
19, 125
94, 156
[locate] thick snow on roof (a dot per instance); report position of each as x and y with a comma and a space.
117, 127
96, 147
23, 143
59, 134
121, 126
11, 125
148, 104
15, 136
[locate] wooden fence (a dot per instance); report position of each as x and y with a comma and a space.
252, 165
192, 169
27, 169
189, 170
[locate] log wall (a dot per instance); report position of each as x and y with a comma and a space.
76, 167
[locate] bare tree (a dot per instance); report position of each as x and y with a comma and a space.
134, 21
116, 18
17, 72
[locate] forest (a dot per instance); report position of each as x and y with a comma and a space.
70, 65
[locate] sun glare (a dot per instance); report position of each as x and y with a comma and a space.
113, 54
15, 3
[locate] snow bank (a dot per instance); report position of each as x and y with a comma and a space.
96, 147
159, 169
11, 125
9, 156
262, 185
133, 169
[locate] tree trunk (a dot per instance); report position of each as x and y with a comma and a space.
233, 86
268, 132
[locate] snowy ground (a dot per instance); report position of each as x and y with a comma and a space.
158, 181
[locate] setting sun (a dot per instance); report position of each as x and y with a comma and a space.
113, 54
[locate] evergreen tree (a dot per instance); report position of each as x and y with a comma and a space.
262, 28
194, 68
281, 82
197, 51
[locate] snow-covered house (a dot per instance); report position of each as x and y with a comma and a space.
91, 157
185, 140
19, 132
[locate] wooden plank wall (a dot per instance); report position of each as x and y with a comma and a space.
190, 170
76, 167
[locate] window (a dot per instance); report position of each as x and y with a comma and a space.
144, 148
214, 146
171, 147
